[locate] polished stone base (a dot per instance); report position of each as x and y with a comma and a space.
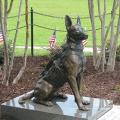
61, 110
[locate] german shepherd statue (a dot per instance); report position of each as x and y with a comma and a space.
65, 66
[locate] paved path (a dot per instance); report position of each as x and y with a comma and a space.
113, 114
86, 49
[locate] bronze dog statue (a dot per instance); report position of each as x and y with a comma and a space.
66, 66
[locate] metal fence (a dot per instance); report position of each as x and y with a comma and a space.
33, 24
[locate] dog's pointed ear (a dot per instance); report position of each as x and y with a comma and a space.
78, 20
68, 22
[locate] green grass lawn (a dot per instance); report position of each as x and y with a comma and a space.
39, 52
58, 8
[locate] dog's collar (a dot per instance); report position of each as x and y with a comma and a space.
75, 44
70, 39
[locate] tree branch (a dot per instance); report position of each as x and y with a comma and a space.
5, 18
89, 6
14, 45
6, 55
11, 3
114, 48
99, 10
111, 22
112, 27
26, 47
92, 18
104, 13
111, 38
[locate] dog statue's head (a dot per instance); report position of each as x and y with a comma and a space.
75, 31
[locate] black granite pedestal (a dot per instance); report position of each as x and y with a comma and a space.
61, 110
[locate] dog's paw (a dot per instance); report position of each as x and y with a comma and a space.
83, 108
48, 103
44, 102
61, 95
85, 102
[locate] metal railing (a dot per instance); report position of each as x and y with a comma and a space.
32, 25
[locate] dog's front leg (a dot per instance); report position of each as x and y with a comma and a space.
74, 87
79, 79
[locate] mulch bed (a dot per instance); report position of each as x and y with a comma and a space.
95, 83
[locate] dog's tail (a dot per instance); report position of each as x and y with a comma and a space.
25, 97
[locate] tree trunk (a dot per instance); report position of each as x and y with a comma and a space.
5, 19
112, 27
102, 19
109, 63
114, 47
102, 40
26, 47
4, 33
91, 12
14, 45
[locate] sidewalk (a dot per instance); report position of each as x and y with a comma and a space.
86, 49
113, 114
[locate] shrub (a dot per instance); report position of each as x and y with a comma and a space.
2, 52
107, 51
57, 48
53, 51
118, 53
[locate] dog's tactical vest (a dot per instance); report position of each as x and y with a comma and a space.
55, 73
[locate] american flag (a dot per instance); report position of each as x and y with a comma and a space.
84, 42
1, 37
52, 40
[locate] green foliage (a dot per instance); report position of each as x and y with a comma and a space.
88, 53
57, 48
107, 45
118, 53
2, 52
43, 64
86, 88
32, 71
117, 87
53, 51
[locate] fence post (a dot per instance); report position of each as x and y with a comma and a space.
31, 31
